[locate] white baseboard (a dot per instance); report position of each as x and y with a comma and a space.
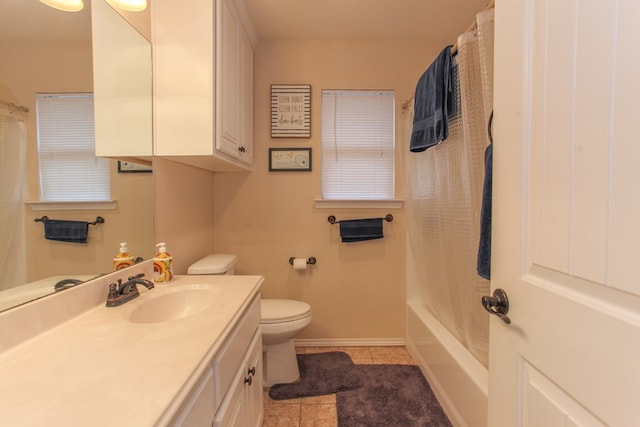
348, 342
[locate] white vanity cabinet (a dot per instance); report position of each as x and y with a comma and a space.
202, 367
199, 409
243, 404
203, 91
229, 392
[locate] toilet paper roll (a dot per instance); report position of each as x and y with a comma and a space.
300, 264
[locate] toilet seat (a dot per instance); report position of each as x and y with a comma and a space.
283, 310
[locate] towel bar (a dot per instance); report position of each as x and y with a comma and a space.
99, 220
332, 219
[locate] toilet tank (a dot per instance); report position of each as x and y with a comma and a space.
214, 264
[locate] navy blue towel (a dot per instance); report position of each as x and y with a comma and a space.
358, 230
66, 231
431, 104
484, 246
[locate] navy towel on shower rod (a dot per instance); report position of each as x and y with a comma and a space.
66, 231
432, 102
358, 230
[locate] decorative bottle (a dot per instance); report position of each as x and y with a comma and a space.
162, 265
123, 259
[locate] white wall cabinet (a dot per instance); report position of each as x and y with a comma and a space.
122, 86
229, 392
203, 74
234, 103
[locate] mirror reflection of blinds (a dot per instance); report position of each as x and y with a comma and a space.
69, 169
358, 145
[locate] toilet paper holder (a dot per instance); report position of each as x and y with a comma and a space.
311, 260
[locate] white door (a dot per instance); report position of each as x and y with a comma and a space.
566, 214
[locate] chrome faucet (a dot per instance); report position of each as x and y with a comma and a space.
122, 292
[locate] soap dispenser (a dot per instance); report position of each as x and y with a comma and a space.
123, 259
162, 265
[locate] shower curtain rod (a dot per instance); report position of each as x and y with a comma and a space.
454, 49
473, 26
16, 106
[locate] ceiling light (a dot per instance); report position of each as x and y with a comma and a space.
66, 5
130, 5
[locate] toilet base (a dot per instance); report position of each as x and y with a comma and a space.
280, 363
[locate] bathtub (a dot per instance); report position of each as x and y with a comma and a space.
458, 380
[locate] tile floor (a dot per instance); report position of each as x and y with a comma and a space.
320, 411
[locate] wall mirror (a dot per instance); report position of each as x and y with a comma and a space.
48, 51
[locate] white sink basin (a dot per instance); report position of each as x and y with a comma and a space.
173, 305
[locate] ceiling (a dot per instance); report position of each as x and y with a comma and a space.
32, 21
436, 20
439, 20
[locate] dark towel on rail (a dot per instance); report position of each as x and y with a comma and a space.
358, 230
431, 104
484, 247
66, 231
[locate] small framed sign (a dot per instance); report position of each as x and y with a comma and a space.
290, 111
130, 167
290, 159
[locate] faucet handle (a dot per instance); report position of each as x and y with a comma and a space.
137, 276
113, 289
113, 294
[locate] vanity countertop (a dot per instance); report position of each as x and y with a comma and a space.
99, 368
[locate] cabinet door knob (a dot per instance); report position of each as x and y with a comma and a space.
251, 371
242, 149
248, 380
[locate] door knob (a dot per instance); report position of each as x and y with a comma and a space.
498, 304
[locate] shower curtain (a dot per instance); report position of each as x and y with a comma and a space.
444, 195
13, 155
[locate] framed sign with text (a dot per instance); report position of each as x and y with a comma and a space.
290, 111
130, 167
289, 159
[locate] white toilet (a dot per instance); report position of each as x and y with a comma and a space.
281, 320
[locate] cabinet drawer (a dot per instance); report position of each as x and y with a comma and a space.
232, 354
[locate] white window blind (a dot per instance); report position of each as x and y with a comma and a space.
69, 169
358, 145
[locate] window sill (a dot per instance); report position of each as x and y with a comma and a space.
358, 204
72, 206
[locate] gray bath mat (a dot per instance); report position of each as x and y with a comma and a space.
391, 396
322, 373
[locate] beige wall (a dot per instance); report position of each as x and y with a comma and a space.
29, 68
183, 211
356, 290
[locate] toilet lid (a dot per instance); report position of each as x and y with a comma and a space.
283, 310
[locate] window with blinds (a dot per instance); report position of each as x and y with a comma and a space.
358, 145
69, 169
